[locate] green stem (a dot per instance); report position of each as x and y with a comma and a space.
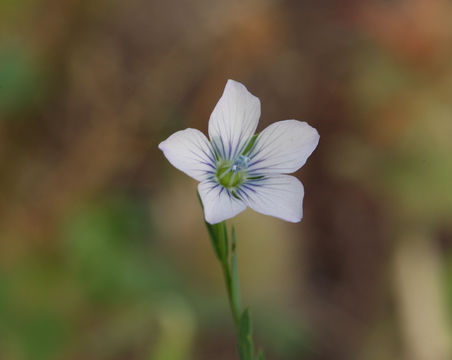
232, 282
228, 259
235, 307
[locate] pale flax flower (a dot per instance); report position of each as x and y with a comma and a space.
236, 168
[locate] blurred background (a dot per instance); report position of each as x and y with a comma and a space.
103, 251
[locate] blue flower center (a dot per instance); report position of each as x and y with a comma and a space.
232, 174
241, 163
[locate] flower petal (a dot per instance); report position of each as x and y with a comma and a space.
234, 120
189, 150
283, 147
219, 204
280, 196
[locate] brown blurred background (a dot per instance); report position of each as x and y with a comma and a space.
103, 254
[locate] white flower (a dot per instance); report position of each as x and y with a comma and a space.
237, 169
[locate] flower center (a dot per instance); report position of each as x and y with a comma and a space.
232, 174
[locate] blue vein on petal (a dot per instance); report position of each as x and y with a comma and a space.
260, 147
220, 151
234, 149
210, 157
199, 144
201, 160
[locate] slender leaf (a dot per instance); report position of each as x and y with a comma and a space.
245, 340
234, 274
213, 233
222, 241
211, 229
225, 240
260, 356
234, 239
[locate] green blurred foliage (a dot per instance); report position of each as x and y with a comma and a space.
104, 237
21, 80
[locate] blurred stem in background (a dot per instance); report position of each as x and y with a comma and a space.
227, 256
417, 270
